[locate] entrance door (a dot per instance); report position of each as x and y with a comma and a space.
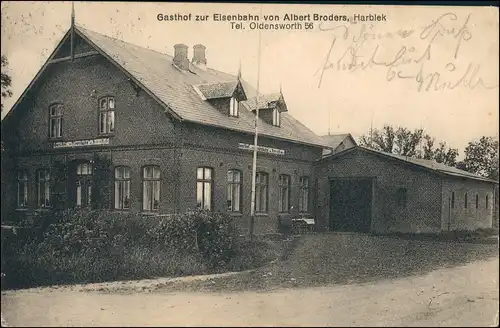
350, 205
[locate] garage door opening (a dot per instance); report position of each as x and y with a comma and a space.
351, 204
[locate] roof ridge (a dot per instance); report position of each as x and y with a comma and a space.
149, 49
120, 40
336, 134
215, 82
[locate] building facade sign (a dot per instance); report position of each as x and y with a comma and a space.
263, 149
82, 143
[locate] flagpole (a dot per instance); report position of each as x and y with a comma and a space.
255, 139
371, 130
329, 116
72, 29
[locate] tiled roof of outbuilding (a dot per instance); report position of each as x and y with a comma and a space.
423, 163
334, 140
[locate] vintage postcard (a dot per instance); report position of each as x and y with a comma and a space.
218, 164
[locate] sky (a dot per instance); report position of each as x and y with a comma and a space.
434, 68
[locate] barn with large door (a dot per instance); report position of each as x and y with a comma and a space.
364, 190
350, 204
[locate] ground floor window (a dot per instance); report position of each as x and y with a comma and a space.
122, 187
204, 178
22, 189
234, 191
304, 195
284, 191
151, 188
84, 184
261, 192
43, 188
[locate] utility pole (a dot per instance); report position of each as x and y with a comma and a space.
255, 140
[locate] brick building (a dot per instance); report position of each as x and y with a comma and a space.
362, 189
177, 135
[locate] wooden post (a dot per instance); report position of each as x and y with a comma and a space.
72, 30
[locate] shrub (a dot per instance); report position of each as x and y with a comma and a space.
96, 245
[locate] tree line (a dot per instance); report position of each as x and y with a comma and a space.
481, 155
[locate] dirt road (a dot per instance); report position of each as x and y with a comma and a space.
460, 296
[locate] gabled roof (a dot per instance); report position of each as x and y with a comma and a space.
334, 140
173, 89
429, 165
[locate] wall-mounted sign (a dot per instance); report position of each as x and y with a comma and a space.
263, 149
82, 143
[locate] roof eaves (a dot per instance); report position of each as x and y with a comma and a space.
466, 176
260, 133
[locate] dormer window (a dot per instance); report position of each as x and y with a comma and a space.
234, 107
276, 117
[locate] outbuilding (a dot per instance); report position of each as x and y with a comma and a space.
365, 190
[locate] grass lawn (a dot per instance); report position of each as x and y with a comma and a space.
336, 258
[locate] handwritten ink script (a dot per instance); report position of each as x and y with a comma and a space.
408, 54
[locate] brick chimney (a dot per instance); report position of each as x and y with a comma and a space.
180, 56
199, 57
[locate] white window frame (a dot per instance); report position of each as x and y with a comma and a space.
284, 183
234, 107
304, 194
84, 184
22, 185
43, 188
56, 112
204, 187
107, 107
122, 188
234, 188
261, 192
276, 117
151, 188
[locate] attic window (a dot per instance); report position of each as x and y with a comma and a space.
55, 120
276, 117
106, 115
234, 107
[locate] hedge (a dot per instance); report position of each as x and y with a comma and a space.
79, 246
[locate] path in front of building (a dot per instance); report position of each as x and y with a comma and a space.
460, 296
